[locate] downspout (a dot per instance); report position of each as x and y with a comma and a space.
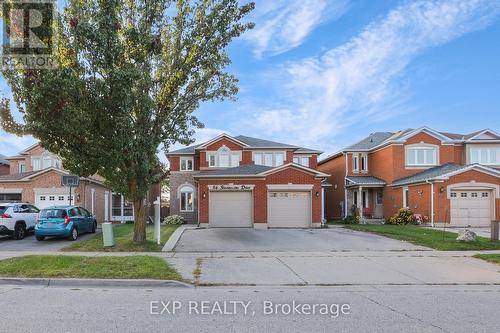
345, 188
432, 201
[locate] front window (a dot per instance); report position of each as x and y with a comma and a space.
421, 156
235, 159
212, 160
186, 164
364, 163
302, 160
187, 199
379, 198
355, 163
486, 156
46, 162
224, 158
406, 197
36, 164
270, 159
22, 167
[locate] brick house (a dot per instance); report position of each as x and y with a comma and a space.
246, 182
4, 165
35, 176
444, 177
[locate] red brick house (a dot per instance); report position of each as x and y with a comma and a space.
445, 177
246, 182
35, 176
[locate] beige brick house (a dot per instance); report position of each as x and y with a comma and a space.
35, 176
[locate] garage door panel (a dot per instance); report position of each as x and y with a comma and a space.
289, 209
50, 200
471, 208
230, 210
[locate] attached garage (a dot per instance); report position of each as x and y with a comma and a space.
231, 209
49, 199
287, 209
474, 208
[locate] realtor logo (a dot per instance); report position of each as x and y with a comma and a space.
28, 34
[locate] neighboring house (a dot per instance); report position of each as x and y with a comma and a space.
445, 177
35, 176
4, 165
246, 182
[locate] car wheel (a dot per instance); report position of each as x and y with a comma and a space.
19, 231
40, 238
74, 234
94, 227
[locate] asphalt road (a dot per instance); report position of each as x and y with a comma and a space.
370, 309
29, 243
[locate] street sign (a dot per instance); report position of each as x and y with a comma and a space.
71, 181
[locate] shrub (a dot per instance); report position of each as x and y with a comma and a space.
351, 220
174, 220
403, 217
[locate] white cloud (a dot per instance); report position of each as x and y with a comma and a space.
11, 144
282, 25
363, 79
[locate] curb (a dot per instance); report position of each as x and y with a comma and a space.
110, 283
174, 238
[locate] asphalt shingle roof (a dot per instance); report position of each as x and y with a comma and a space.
251, 142
17, 176
371, 141
365, 180
248, 169
429, 174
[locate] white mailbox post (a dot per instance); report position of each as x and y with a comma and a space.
157, 220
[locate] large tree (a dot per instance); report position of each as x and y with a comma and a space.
130, 74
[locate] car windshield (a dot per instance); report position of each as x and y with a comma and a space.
3, 209
52, 213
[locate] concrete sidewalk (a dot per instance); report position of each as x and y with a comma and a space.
320, 268
335, 268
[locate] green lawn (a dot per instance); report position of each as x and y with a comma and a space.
137, 267
436, 239
123, 240
494, 258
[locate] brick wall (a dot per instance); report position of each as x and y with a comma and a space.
334, 196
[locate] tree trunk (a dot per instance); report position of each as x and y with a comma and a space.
139, 221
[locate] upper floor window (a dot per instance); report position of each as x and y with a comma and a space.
187, 164
486, 156
355, 163
224, 158
44, 162
421, 155
270, 159
22, 167
302, 160
364, 163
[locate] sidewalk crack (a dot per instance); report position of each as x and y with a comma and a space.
290, 268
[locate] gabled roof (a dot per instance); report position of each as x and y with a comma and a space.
364, 180
252, 170
370, 141
17, 176
443, 172
246, 142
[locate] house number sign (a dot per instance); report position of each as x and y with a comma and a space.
231, 187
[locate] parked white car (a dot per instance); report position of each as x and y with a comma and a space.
17, 218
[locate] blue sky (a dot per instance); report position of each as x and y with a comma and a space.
325, 73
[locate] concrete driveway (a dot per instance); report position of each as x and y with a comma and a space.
286, 240
29, 243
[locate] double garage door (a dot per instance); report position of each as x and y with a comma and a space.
235, 209
50, 199
472, 208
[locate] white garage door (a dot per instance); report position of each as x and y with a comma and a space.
49, 200
230, 210
471, 208
289, 210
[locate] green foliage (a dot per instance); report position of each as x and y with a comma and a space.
403, 217
130, 75
174, 220
351, 219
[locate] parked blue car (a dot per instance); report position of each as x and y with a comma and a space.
64, 221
